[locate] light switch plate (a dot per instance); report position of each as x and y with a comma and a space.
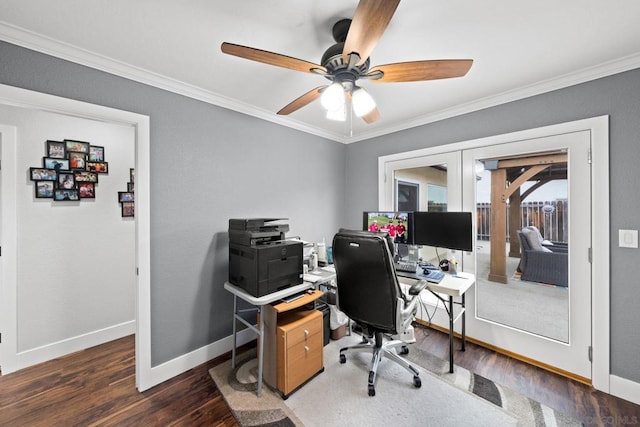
628, 238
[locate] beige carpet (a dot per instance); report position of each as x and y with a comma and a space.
338, 396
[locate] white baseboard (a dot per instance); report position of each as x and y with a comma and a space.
197, 357
70, 345
624, 389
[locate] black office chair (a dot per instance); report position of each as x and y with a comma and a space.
370, 295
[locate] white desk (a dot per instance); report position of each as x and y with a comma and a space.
258, 302
452, 287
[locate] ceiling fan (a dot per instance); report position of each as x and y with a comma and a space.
347, 61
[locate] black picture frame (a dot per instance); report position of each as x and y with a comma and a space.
98, 167
130, 187
55, 163
132, 175
66, 195
66, 180
56, 149
96, 153
44, 189
77, 146
128, 209
126, 196
43, 174
86, 176
87, 190
77, 160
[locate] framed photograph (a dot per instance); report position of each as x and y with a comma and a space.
132, 175
57, 164
77, 146
77, 161
62, 195
42, 174
87, 190
128, 209
125, 196
56, 149
96, 153
130, 187
44, 189
66, 180
84, 176
98, 167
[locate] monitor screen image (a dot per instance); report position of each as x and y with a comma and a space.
397, 224
451, 230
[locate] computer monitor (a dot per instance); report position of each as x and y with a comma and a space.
399, 225
450, 230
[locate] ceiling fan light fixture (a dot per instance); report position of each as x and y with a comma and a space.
363, 103
339, 115
333, 97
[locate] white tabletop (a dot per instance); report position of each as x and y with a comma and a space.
452, 285
269, 298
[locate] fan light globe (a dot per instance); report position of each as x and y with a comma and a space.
339, 115
363, 103
333, 97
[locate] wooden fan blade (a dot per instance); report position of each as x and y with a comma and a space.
422, 70
301, 101
372, 116
369, 22
272, 58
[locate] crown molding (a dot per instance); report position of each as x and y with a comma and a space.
37, 42
587, 74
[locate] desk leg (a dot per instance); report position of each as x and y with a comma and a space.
261, 350
464, 324
233, 349
450, 334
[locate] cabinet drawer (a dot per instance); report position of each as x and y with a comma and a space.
302, 361
301, 328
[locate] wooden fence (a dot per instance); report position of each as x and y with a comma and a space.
551, 218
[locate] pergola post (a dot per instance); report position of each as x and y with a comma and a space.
498, 265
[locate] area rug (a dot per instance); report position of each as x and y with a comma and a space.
339, 395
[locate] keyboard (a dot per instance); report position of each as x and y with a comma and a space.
408, 266
434, 276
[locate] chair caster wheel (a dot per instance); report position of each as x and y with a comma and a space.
404, 350
417, 383
372, 390
343, 358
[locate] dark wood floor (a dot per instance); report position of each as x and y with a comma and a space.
96, 387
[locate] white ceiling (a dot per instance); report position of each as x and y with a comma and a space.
519, 49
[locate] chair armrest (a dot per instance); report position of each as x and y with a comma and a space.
417, 287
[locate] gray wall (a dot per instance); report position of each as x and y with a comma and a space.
617, 96
208, 164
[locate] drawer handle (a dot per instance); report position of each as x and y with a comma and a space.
306, 348
306, 333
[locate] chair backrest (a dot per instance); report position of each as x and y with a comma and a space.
368, 289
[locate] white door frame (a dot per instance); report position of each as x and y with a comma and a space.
599, 129
8, 297
17, 97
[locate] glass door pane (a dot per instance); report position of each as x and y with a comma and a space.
522, 248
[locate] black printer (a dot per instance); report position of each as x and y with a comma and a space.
261, 261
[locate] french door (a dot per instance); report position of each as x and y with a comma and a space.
533, 301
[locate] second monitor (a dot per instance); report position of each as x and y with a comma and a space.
451, 230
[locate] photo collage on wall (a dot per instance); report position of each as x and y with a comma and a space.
127, 198
69, 171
